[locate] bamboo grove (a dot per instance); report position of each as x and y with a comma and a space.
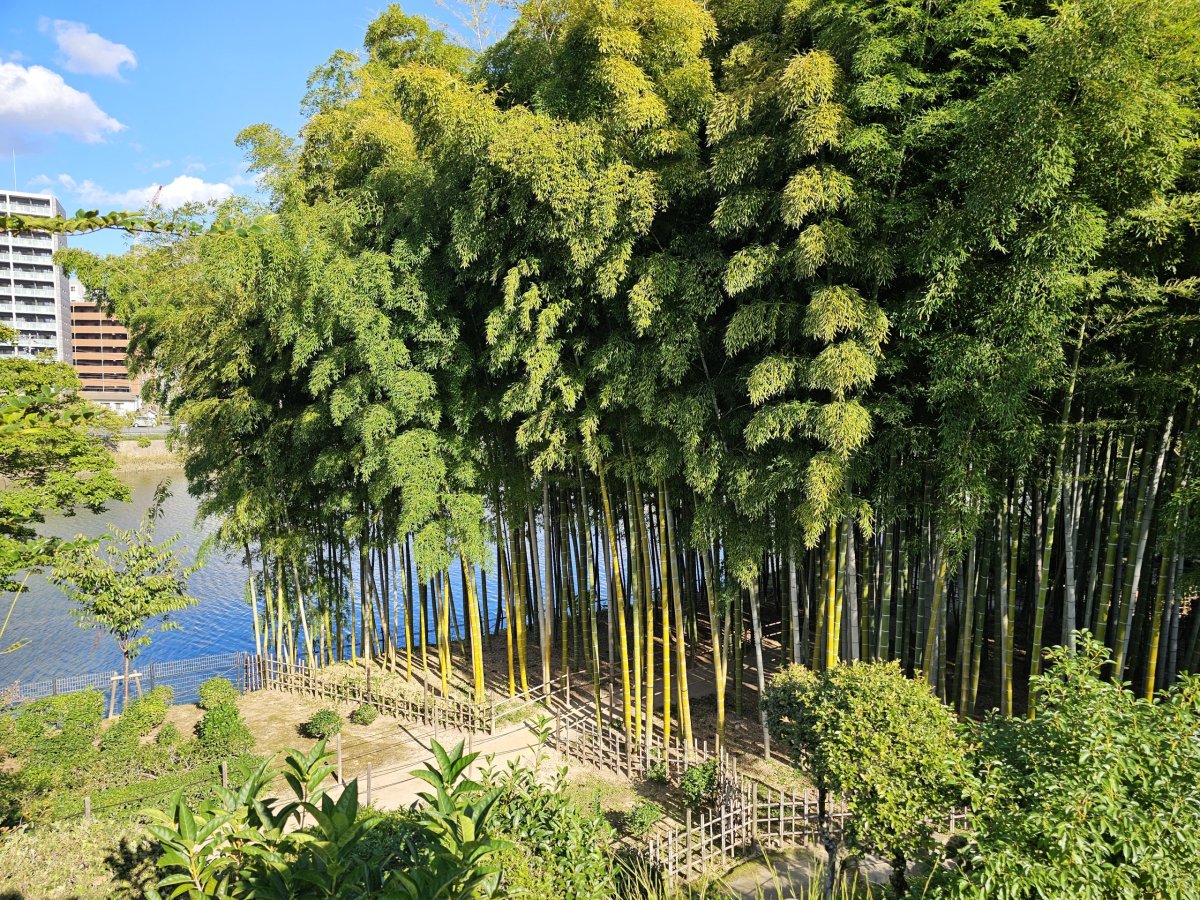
718, 336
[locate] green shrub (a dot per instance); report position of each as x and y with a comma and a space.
141, 717
111, 859
16, 794
642, 817
216, 691
657, 772
364, 714
324, 724
169, 735
223, 732
558, 849
57, 729
1097, 796
394, 840
523, 873
882, 741
699, 784
126, 799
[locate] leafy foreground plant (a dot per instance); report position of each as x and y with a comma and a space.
311, 844
1096, 797
556, 848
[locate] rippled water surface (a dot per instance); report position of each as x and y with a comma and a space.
220, 622
58, 647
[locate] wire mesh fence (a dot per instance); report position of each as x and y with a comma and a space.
183, 676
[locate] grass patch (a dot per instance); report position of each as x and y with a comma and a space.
613, 796
123, 801
100, 859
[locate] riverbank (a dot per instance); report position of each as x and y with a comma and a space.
149, 455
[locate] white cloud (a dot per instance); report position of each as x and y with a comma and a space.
243, 178
36, 101
87, 53
184, 189
161, 164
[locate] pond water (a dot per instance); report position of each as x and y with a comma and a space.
221, 622
59, 647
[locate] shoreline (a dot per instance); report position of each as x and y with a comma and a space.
129, 457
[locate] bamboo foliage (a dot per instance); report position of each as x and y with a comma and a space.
852, 329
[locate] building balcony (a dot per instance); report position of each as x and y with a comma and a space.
32, 241
23, 291
41, 309
44, 258
17, 208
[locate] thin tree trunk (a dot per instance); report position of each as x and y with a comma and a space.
1143, 516
756, 625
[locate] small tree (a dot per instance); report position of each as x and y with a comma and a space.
125, 584
880, 741
1096, 797
54, 457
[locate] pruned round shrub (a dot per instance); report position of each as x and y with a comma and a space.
147, 713
223, 732
364, 714
323, 724
699, 784
169, 735
642, 817
216, 691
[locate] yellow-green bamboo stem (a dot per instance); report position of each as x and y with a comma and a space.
618, 600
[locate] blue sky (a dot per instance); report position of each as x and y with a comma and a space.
104, 101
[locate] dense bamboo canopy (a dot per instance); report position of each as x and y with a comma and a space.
865, 329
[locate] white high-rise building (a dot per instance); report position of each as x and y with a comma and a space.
34, 297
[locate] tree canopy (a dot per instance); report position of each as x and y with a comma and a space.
872, 318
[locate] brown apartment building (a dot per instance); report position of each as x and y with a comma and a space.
98, 346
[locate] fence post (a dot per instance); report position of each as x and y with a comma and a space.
781, 816
224, 773
87, 808
368, 792
112, 699
492, 728
150, 672
338, 741
688, 842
